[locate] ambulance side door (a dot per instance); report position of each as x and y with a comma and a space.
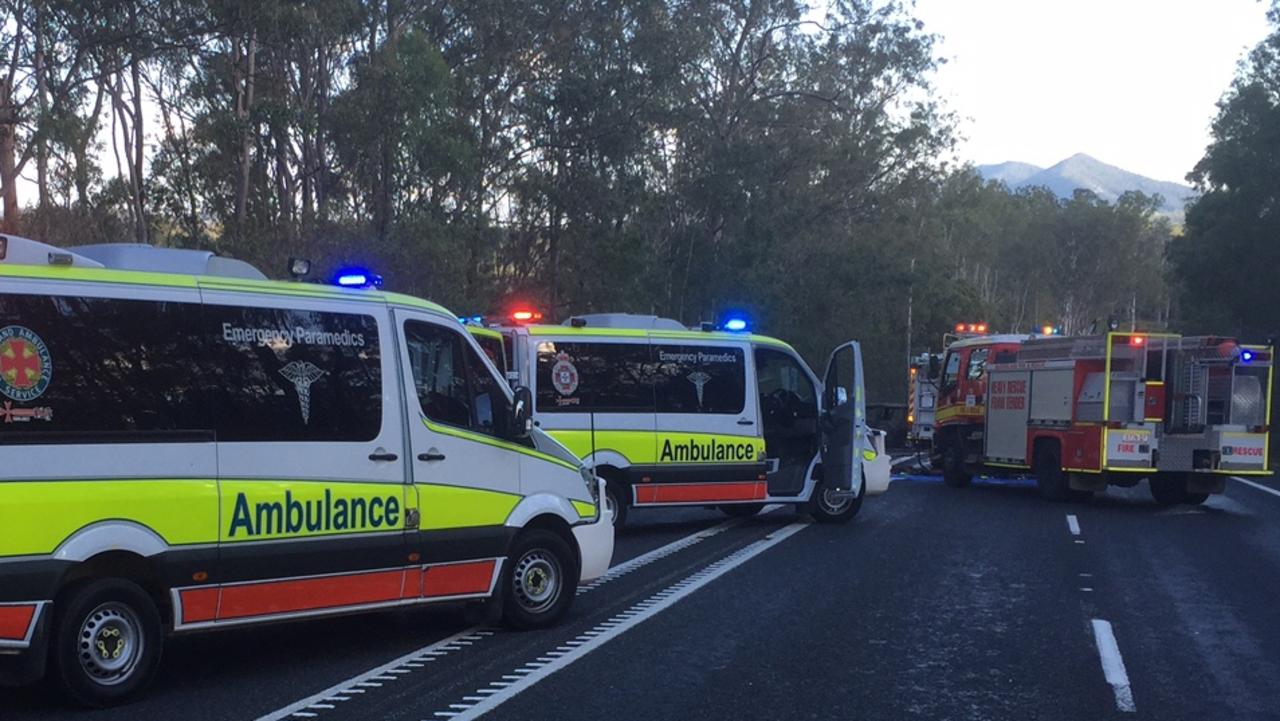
465, 466
844, 419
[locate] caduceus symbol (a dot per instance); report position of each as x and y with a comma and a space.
302, 374
699, 381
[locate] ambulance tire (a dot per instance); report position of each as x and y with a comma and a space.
107, 640
615, 497
1195, 499
953, 470
539, 580
741, 510
826, 509
1050, 478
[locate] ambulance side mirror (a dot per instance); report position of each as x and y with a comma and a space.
521, 413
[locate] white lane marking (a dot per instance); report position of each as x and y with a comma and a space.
445, 646
611, 629
1073, 524
1113, 665
1259, 486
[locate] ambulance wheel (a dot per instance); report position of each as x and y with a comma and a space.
1168, 490
1050, 478
615, 502
539, 581
106, 641
741, 510
953, 470
829, 506
1195, 499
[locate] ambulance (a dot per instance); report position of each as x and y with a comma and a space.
186, 446
713, 416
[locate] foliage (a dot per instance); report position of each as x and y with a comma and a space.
677, 157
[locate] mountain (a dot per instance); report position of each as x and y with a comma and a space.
1011, 173
1082, 171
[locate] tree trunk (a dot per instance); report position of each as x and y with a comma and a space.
244, 104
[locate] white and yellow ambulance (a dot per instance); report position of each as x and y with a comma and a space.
709, 417
185, 445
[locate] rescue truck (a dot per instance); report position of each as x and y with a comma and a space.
1082, 413
187, 446
713, 416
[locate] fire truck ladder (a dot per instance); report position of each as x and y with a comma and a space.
1192, 381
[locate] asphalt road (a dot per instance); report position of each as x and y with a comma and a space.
935, 603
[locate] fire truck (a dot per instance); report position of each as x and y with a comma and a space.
1082, 413
922, 398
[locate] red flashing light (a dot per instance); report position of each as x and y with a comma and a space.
1137, 340
982, 327
959, 327
526, 316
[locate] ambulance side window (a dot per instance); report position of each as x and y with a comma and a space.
98, 370
439, 372
699, 379
291, 375
594, 378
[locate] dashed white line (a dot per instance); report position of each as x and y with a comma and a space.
616, 626
1073, 524
1259, 486
1113, 665
467, 636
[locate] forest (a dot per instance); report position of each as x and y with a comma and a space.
678, 157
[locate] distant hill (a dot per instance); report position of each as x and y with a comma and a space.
1082, 171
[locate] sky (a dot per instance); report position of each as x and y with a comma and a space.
1133, 83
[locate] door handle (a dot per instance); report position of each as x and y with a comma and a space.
431, 456
383, 456
746, 422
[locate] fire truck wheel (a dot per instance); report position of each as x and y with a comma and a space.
953, 470
1169, 490
1050, 479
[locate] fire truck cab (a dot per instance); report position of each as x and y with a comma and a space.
960, 415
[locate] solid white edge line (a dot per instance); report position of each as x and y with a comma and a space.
687, 586
1113, 665
435, 648
1073, 524
1259, 486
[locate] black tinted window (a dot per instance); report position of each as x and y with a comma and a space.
699, 379
453, 385
294, 375
439, 373
785, 387
595, 377
85, 370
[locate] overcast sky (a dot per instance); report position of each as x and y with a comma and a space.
1131, 82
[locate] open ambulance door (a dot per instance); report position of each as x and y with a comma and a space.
844, 420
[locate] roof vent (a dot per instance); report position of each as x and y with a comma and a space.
623, 320
148, 258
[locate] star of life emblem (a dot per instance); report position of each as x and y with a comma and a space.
302, 374
699, 381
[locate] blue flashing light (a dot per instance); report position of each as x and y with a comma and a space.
736, 325
357, 278
1246, 356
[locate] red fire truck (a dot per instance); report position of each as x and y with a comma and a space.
1082, 413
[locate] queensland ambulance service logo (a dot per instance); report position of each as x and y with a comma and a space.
25, 364
564, 375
